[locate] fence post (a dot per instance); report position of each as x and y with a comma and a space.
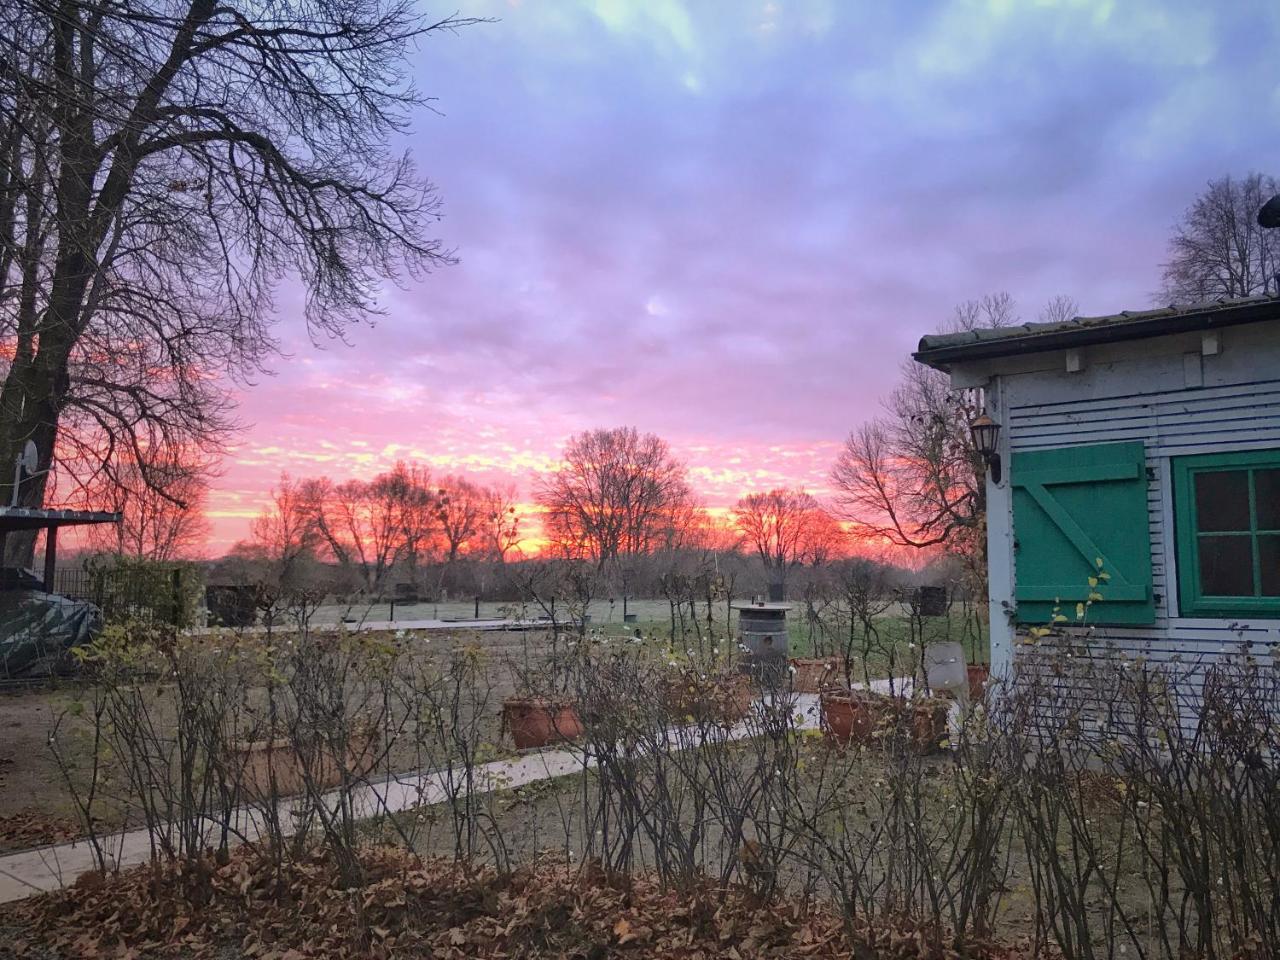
50, 558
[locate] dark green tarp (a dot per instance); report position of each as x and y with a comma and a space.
37, 629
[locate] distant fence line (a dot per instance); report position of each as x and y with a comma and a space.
175, 594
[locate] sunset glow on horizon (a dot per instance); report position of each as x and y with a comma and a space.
729, 223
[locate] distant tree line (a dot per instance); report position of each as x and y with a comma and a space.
618, 511
395, 531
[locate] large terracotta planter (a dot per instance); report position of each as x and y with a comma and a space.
813, 673
870, 720
724, 699
736, 695
255, 763
535, 721
854, 717
978, 676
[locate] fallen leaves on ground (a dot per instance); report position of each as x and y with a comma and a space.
405, 906
31, 828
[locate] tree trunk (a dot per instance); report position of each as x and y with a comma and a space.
31, 401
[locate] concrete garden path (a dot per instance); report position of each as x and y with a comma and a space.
42, 869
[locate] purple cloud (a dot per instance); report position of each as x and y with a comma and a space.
728, 222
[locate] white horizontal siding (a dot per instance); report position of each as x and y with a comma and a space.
1142, 399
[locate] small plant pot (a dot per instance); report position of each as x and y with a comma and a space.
926, 723
536, 722
813, 673
854, 718
978, 676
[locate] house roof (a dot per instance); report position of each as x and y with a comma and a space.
944, 349
27, 518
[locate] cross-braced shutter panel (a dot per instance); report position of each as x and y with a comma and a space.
1074, 507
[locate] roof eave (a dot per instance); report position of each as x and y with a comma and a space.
13, 519
942, 358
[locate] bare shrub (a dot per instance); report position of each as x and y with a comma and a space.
1102, 805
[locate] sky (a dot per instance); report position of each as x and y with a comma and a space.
728, 222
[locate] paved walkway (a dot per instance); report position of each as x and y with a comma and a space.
43, 869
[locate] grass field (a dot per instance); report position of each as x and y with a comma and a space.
825, 636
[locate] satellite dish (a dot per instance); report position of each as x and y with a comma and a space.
1269, 215
30, 458
24, 467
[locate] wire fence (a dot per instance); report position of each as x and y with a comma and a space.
120, 593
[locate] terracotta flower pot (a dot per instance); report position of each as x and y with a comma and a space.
854, 717
812, 673
535, 721
721, 699
927, 723
736, 697
978, 676
256, 763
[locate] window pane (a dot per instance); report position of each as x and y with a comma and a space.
1226, 566
1269, 555
1222, 500
1266, 487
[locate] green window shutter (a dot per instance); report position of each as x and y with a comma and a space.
1071, 507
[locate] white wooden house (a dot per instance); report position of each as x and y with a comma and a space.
1147, 443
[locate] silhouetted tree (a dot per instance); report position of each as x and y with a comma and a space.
618, 493
1218, 250
370, 526
912, 477
461, 513
785, 527
501, 521
164, 163
162, 505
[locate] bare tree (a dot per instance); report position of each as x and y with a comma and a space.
280, 556
285, 528
618, 493
1218, 250
912, 476
162, 507
1059, 309
364, 525
461, 512
989, 310
502, 521
417, 515
165, 162
827, 540
785, 527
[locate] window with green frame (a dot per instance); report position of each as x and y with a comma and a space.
1227, 512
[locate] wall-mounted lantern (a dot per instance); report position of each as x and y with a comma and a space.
986, 440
